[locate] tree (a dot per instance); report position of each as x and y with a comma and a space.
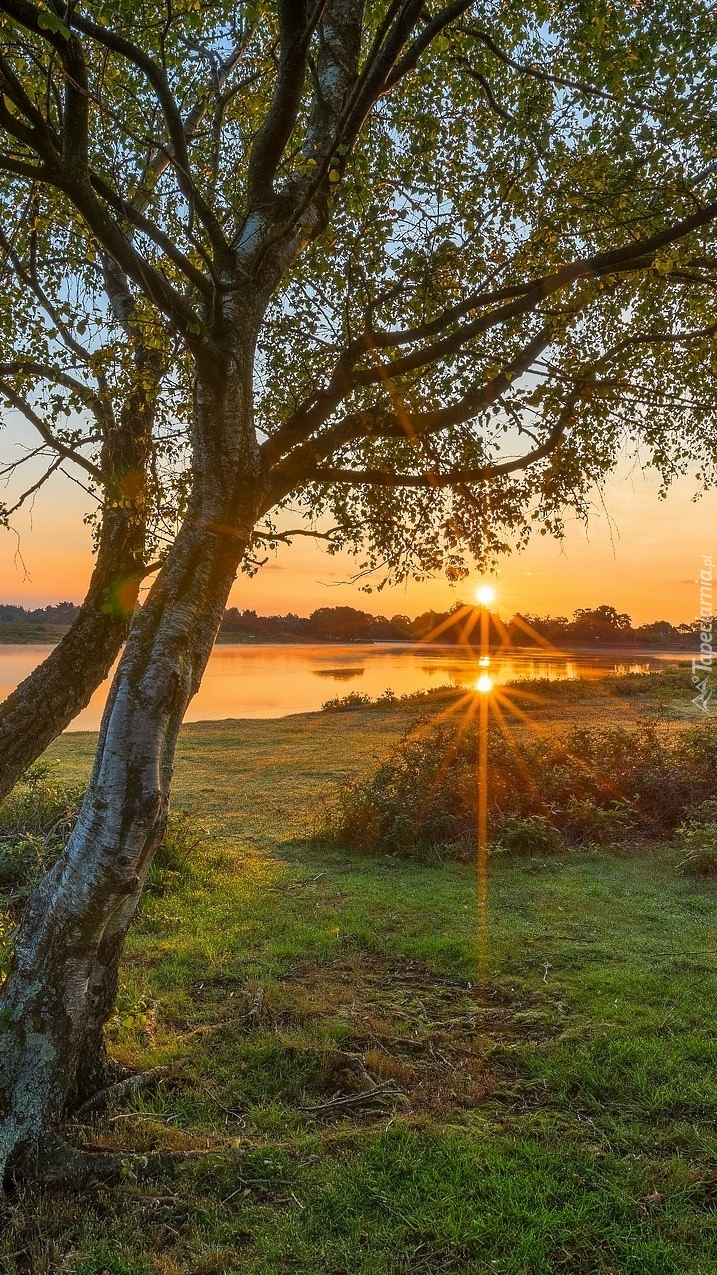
57, 375
599, 624
429, 263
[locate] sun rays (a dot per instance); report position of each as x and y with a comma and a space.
477, 632
487, 709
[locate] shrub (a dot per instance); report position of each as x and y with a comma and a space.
36, 820
181, 839
697, 839
35, 823
344, 703
389, 699
530, 836
592, 787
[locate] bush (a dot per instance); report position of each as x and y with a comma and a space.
593, 787
532, 836
35, 823
389, 699
182, 838
697, 839
344, 703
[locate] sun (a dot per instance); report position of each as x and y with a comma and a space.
485, 594
484, 684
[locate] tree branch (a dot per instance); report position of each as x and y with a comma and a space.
457, 477
177, 152
421, 43
547, 77
12, 509
57, 376
295, 33
298, 465
64, 452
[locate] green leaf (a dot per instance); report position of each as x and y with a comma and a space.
50, 22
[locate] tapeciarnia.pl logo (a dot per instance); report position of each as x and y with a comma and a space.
702, 664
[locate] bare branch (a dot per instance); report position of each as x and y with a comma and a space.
30, 491
64, 452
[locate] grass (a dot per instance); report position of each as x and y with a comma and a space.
31, 632
558, 1114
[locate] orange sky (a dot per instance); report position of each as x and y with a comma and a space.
647, 567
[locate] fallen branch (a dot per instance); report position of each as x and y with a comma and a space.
351, 1100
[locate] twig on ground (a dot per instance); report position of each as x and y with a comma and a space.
351, 1100
254, 1011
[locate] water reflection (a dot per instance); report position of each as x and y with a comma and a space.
339, 674
273, 681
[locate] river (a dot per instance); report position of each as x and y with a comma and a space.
275, 680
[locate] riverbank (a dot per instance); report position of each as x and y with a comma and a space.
32, 634
50, 634
38, 633
361, 1099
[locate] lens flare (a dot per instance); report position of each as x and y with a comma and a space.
485, 594
484, 684
484, 661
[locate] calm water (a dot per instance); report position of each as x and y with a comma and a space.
272, 681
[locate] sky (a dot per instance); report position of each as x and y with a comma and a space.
638, 553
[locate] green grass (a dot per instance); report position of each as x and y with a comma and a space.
31, 632
554, 1111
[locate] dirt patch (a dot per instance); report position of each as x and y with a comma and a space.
428, 1041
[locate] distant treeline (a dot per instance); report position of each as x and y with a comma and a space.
60, 613
601, 626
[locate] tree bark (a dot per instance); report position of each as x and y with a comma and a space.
40, 708
60, 990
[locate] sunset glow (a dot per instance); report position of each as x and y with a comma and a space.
645, 566
485, 594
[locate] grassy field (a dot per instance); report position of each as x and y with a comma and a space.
31, 633
358, 1100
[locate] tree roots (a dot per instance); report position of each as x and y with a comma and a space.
122, 1089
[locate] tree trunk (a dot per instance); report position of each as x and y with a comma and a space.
59, 992
40, 708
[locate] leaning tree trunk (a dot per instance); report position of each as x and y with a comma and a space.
56, 995
58, 689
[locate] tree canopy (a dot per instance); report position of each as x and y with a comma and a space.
494, 253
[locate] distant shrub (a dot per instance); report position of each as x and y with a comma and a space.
345, 703
592, 787
633, 684
389, 699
